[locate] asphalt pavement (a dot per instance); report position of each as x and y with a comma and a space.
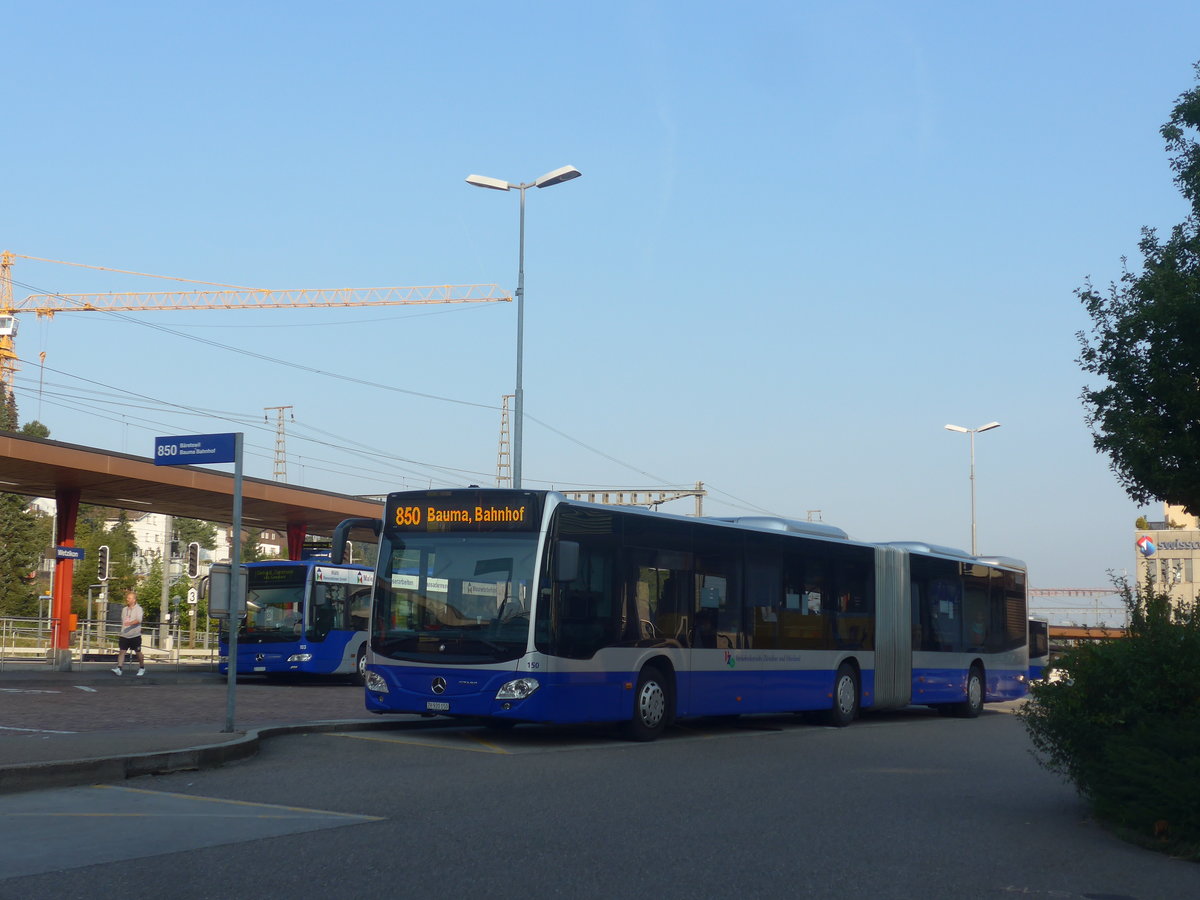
88, 725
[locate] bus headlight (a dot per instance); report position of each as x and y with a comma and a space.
300, 657
375, 683
517, 690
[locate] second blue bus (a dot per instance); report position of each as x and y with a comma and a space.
303, 617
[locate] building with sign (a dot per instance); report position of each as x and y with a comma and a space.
1168, 552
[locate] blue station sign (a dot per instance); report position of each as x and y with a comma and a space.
68, 553
194, 449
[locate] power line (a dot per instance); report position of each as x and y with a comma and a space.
352, 380
337, 441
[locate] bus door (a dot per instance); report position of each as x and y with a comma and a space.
721, 683
660, 593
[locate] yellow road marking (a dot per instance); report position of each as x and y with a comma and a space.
299, 809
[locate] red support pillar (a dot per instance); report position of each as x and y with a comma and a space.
67, 501
296, 533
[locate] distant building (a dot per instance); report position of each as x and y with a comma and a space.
149, 531
1169, 553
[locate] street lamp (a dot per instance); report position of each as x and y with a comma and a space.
558, 176
972, 432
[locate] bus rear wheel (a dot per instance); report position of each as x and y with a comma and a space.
844, 708
651, 707
973, 705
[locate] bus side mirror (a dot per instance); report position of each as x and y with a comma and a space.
566, 560
219, 587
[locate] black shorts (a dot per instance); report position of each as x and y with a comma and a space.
134, 644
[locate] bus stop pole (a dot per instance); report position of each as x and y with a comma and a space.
235, 562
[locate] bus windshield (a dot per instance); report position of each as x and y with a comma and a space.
274, 604
454, 597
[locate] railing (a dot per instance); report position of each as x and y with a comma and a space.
30, 640
1096, 615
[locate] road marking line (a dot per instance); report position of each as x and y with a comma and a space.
485, 748
26, 691
301, 809
175, 815
82, 687
36, 730
493, 747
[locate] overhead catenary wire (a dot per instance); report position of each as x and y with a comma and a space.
254, 423
374, 455
441, 474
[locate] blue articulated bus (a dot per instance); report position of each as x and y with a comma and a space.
524, 606
1039, 647
303, 616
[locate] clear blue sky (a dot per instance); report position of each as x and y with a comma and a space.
807, 236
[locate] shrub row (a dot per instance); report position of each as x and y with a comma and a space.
1123, 723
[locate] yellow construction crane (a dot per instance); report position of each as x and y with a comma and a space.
223, 296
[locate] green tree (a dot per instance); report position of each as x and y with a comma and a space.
1145, 345
123, 548
149, 592
24, 537
8, 410
194, 530
89, 536
91, 533
251, 551
24, 532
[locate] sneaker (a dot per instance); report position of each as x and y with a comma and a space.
116, 670
141, 672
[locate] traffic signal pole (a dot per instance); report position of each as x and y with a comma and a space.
101, 609
164, 595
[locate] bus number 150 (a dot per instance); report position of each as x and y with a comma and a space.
408, 515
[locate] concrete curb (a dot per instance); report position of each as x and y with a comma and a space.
119, 767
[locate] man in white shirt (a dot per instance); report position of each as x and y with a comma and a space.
130, 639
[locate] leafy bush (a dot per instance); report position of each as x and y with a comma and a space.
1123, 725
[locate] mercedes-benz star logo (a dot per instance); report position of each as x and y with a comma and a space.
439, 685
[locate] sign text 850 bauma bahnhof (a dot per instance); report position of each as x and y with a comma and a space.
194, 449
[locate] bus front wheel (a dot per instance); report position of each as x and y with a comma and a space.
651, 706
844, 708
360, 666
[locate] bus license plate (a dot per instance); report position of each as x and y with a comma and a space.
437, 706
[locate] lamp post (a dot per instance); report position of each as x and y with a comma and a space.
972, 432
558, 176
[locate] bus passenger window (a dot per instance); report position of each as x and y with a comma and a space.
663, 609
719, 617
764, 597
944, 605
802, 627
975, 609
